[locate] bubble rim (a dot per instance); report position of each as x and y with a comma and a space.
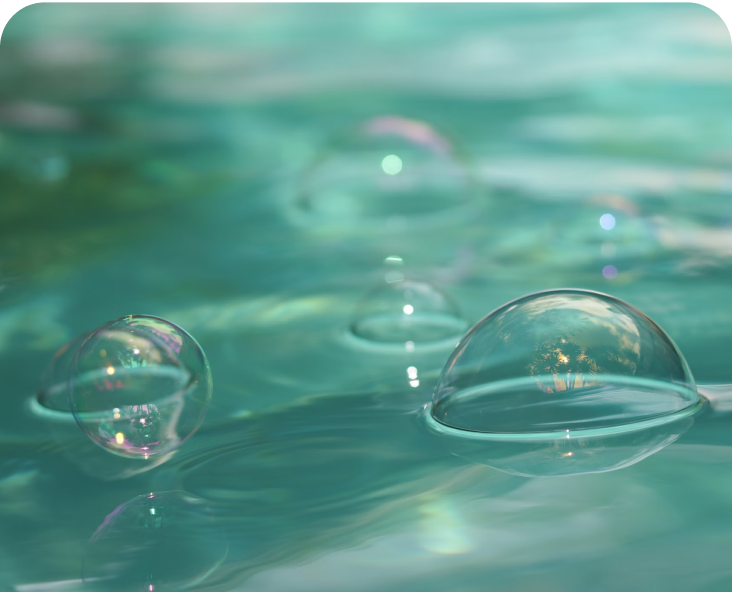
436, 427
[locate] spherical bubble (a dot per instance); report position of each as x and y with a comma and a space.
388, 169
410, 314
562, 360
157, 542
139, 386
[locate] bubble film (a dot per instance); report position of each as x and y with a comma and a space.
562, 360
408, 312
139, 386
388, 168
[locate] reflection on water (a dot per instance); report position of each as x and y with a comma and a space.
365, 465
152, 158
569, 453
156, 542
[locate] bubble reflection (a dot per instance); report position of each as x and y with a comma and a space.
160, 542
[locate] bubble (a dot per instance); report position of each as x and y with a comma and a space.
157, 542
607, 221
410, 314
610, 272
51, 405
388, 169
139, 386
561, 361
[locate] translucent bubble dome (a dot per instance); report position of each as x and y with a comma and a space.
408, 312
388, 167
559, 361
139, 386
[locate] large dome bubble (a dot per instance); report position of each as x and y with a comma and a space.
560, 361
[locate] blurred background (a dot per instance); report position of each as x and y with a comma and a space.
207, 164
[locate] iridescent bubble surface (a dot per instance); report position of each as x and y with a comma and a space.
52, 406
410, 313
155, 542
139, 386
562, 360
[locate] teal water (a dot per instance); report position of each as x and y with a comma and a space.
152, 161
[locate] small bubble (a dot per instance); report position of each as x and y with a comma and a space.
607, 221
391, 164
610, 272
408, 312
